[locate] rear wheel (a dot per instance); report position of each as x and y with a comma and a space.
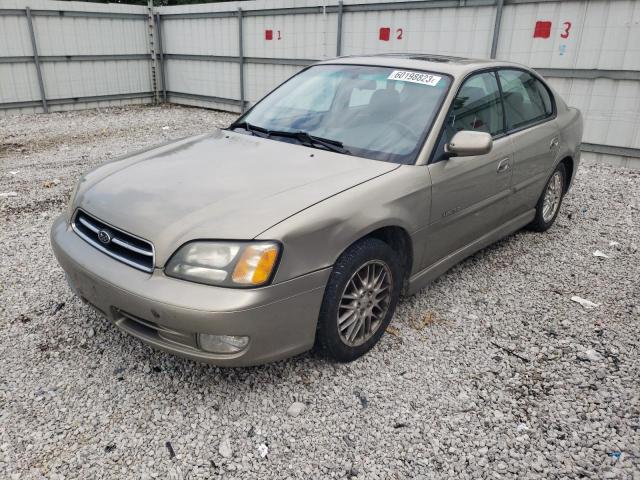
359, 301
549, 203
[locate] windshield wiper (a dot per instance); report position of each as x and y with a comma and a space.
252, 129
312, 141
303, 137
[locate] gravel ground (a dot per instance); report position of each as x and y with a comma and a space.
492, 371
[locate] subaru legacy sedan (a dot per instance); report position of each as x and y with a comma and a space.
355, 181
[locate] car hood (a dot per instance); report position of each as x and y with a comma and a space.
222, 185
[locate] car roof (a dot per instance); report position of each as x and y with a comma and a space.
455, 66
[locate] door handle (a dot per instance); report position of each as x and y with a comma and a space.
504, 165
554, 143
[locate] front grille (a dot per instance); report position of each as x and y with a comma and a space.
120, 245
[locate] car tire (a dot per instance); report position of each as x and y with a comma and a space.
363, 289
554, 191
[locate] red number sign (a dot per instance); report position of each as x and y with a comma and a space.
542, 30
268, 35
385, 34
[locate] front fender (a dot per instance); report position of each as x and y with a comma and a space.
314, 238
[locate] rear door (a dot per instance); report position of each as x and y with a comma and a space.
536, 138
469, 193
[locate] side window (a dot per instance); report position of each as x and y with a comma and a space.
526, 100
477, 107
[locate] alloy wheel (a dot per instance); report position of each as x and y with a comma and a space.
552, 197
364, 303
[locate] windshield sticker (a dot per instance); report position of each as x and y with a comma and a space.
414, 77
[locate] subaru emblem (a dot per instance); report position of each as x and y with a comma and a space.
104, 236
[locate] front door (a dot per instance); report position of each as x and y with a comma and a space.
468, 193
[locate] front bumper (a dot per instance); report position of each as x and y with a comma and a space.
168, 313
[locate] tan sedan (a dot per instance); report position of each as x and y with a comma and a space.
355, 181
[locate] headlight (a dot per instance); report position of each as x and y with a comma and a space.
227, 264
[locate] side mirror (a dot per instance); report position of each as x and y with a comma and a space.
467, 143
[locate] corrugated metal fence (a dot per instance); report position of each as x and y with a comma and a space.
227, 55
60, 56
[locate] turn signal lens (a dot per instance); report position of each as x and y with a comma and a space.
256, 264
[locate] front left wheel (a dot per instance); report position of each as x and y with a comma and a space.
359, 300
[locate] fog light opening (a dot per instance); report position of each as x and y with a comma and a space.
223, 343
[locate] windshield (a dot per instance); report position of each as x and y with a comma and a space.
374, 112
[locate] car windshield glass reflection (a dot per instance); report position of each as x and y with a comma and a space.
374, 112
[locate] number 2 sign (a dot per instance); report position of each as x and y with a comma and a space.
385, 34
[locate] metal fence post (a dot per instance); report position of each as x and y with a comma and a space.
241, 59
496, 28
163, 76
153, 49
339, 38
36, 60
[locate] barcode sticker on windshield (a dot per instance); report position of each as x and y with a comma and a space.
414, 77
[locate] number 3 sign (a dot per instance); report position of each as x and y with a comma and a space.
542, 29
565, 31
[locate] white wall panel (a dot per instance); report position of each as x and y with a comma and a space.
616, 160
75, 106
18, 82
217, 79
193, 102
611, 108
449, 31
88, 79
61, 35
308, 36
245, 5
14, 37
261, 79
200, 36
602, 34
89, 36
80, 6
